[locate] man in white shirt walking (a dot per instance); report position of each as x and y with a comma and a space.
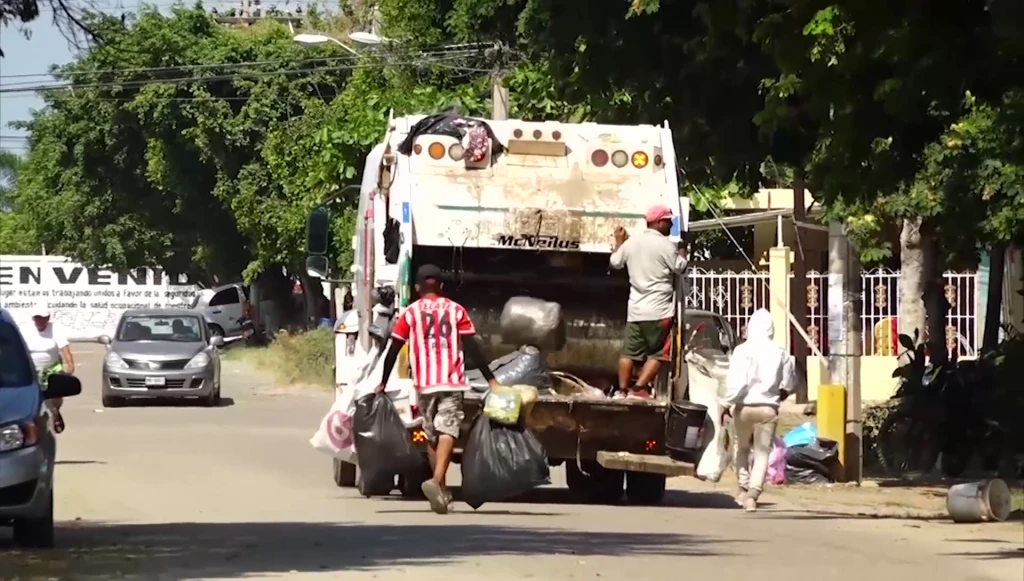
653, 262
760, 377
51, 353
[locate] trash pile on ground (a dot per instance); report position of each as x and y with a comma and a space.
809, 459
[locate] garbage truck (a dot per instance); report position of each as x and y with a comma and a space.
531, 213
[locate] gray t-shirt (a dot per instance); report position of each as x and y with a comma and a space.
652, 261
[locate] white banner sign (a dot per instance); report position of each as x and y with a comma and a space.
85, 302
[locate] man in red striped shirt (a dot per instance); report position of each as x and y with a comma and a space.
439, 334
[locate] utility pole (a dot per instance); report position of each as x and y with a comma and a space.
499, 92
844, 337
798, 291
499, 99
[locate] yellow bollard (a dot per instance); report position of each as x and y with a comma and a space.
832, 421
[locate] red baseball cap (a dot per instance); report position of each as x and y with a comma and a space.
657, 213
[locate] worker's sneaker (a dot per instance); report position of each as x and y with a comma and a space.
749, 504
437, 497
741, 495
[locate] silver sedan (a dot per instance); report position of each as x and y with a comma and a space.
161, 353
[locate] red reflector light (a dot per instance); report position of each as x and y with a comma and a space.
518, 133
599, 158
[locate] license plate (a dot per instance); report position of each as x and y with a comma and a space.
156, 381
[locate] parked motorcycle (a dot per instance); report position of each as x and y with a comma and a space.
251, 335
943, 418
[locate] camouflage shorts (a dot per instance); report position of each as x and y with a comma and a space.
442, 414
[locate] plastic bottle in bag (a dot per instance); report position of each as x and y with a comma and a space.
503, 404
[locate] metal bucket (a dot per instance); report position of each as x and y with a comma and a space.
982, 501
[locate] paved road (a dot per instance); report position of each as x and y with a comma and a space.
236, 492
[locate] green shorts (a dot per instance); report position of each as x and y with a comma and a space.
648, 340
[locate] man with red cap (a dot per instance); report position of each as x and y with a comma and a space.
653, 262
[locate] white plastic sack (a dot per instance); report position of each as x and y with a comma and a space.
530, 321
707, 373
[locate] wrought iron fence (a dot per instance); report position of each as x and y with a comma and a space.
736, 295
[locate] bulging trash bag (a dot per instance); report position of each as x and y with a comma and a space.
501, 462
814, 463
502, 404
802, 435
530, 321
522, 367
383, 446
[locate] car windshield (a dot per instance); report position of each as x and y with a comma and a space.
705, 332
180, 329
15, 365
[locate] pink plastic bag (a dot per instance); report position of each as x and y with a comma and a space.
777, 463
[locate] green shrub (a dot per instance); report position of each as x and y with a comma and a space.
302, 358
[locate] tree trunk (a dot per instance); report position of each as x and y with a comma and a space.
935, 304
912, 279
994, 304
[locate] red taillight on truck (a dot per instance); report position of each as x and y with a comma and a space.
599, 158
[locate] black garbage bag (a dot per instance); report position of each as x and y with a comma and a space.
814, 463
523, 367
383, 447
452, 125
500, 462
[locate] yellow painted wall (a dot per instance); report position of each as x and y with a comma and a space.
876, 380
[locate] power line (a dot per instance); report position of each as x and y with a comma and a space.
459, 50
8, 89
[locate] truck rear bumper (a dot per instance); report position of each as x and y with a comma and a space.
649, 463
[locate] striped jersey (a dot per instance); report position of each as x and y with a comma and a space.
433, 327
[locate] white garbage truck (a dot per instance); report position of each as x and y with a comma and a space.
530, 215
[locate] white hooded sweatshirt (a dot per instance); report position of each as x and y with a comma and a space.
758, 369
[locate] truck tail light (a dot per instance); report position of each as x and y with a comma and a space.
599, 158
620, 158
456, 152
639, 160
436, 150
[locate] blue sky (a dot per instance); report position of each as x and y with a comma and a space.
27, 56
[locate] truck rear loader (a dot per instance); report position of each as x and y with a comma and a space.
533, 217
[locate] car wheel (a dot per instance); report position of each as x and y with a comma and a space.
212, 400
217, 331
344, 473
36, 532
645, 489
600, 485
110, 401
411, 484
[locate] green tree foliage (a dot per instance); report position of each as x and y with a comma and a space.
17, 233
139, 161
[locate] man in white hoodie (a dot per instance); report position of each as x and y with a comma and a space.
760, 376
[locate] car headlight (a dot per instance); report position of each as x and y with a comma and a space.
114, 361
199, 361
13, 437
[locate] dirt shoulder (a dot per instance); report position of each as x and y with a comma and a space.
923, 506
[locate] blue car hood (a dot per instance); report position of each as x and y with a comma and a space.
19, 403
